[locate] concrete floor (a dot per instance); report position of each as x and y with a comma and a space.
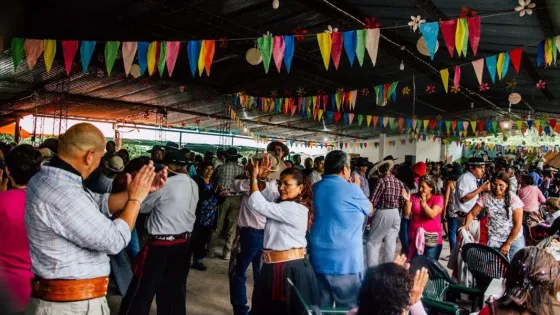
208, 291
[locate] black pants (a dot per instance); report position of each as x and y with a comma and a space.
161, 269
200, 238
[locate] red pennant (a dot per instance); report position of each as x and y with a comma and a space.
325, 98
346, 145
480, 125
346, 97
552, 123
336, 48
515, 58
540, 130
69, 49
158, 48
474, 32
453, 124
337, 116
432, 124
556, 129
448, 29
365, 144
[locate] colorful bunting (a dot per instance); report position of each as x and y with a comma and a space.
152, 51
278, 49
461, 37
288, 51
209, 50
350, 41
17, 51
361, 36
265, 47
336, 49
444, 73
111, 51
86, 50
325, 45
457, 77
33, 49
193, 52
161, 57
478, 66
49, 53
474, 26
448, 30
430, 33
128, 53
491, 66
372, 43
173, 48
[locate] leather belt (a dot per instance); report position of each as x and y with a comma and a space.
274, 256
69, 290
185, 235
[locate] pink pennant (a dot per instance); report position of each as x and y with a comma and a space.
474, 32
325, 98
478, 66
448, 29
172, 53
336, 48
350, 118
33, 49
385, 121
128, 52
299, 103
457, 77
465, 125
278, 51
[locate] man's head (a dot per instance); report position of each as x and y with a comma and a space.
477, 167
221, 154
208, 157
158, 154
82, 146
110, 147
297, 159
278, 149
337, 163
308, 163
319, 164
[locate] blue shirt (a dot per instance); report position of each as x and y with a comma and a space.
336, 233
537, 178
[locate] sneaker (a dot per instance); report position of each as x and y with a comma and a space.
226, 256
199, 266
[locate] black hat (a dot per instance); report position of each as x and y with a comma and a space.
136, 164
362, 161
476, 161
456, 171
221, 151
156, 147
208, 153
175, 156
389, 158
172, 146
232, 152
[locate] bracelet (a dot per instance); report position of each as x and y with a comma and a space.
137, 200
254, 181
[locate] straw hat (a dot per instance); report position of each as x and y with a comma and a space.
115, 164
276, 168
378, 165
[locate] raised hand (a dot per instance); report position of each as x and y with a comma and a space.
265, 167
356, 180
420, 281
405, 194
254, 168
140, 186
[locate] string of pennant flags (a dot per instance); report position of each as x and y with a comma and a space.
513, 148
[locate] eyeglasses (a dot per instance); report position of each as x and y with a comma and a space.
285, 184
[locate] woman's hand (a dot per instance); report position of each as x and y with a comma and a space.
405, 194
420, 281
401, 261
254, 168
265, 167
505, 249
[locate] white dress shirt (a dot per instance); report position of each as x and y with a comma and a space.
248, 218
286, 223
466, 184
172, 208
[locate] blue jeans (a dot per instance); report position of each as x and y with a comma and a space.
452, 226
432, 252
516, 246
403, 236
133, 247
340, 289
251, 243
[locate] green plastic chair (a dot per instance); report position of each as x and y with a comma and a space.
313, 309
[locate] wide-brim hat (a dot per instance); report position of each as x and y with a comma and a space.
175, 156
456, 172
277, 165
284, 147
170, 145
378, 165
362, 161
156, 147
419, 168
476, 161
232, 152
114, 164
389, 158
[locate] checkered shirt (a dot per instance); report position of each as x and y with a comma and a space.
387, 193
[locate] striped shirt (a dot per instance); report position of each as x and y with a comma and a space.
68, 227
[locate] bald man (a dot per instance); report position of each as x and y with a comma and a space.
68, 226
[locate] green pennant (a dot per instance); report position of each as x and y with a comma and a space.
361, 46
494, 126
111, 51
265, 47
360, 119
448, 125
17, 50
162, 57
392, 122
419, 124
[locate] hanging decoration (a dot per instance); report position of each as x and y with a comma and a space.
448, 30
172, 54
478, 66
444, 73
299, 33
461, 37
288, 51
474, 28
429, 33
17, 51
541, 85
405, 91
49, 53
265, 48
33, 49
128, 53
372, 43
455, 89
525, 6
111, 51
415, 22
483, 87
325, 45
278, 48
430, 88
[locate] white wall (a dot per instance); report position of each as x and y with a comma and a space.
454, 151
370, 152
428, 150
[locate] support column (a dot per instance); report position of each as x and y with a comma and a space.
16, 132
444, 152
382, 140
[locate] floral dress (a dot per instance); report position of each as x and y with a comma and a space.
500, 224
207, 208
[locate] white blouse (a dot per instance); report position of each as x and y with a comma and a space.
286, 223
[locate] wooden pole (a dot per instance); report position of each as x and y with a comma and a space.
16, 132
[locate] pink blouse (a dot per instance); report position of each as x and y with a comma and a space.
419, 219
532, 197
15, 262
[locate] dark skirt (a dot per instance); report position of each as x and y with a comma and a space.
274, 295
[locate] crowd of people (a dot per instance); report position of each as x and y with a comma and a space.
75, 211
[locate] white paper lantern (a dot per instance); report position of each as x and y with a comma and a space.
275, 4
514, 98
253, 56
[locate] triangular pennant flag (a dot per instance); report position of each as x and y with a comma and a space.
480, 125
385, 120
491, 66
33, 49
86, 50
172, 53
319, 114
193, 52
540, 53
448, 125
368, 120
350, 41
457, 77
375, 119
152, 51
278, 48
552, 122
209, 49
529, 124
465, 126
432, 124
500, 64
478, 66
473, 125
265, 47
350, 118
201, 58
474, 32
128, 53
453, 125
361, 36
461, 37
515, 57
444, 73
325, 45
391, 92
336, 49
548, 51
143, 56
519, 124
505, 64
346, 119
111, 52
361, 120
392, 123
17, 51
50, 52
161, 57
353, 96
426, 122
430, 33
288, 51
69, 49
372, 43
448, 30
494, 125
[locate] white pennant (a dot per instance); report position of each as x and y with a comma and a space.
478, 66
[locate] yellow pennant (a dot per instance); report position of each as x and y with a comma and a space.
325, 45
368, 120
500, 64
537, 123
320, 114
426, 122
444, 73
314, 98
49, 52
473, 125
152, 49
201, 58
460, 36
519, 124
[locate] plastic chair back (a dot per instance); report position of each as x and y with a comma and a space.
485, 263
